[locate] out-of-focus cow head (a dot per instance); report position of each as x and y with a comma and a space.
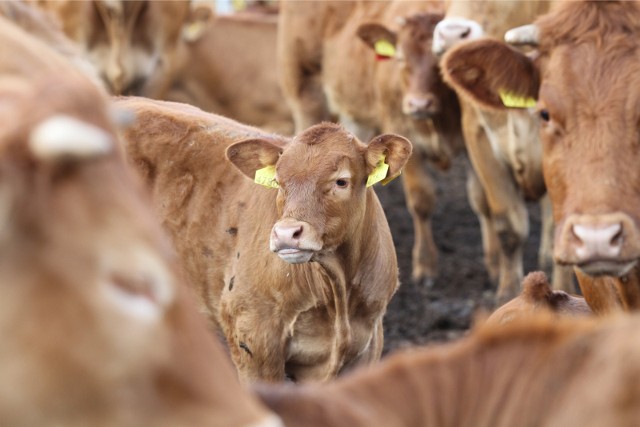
136, 45
422, 87
322, 177
586, 80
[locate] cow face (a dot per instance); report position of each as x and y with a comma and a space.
322, 178
422, 87
135, 45
586, 79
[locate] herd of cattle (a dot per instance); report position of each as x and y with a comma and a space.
167, 265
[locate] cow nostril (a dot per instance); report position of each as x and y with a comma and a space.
297, 233
616, 240
465, 34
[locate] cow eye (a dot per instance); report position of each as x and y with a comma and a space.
544, 115
342, 183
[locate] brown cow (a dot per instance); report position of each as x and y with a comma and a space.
134, 44
370, 97
505, 152
536, 296
230, 69
543, 372
298, 277
585, 77
96, 329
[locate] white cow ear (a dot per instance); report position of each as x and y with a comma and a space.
63, 137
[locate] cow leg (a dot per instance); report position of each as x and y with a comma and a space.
490, 244
562, 275
508, 210
419, 191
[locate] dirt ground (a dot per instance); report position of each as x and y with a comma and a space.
418, 315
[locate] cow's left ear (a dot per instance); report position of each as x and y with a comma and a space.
252, 155
394, 150
492, 73
379, 38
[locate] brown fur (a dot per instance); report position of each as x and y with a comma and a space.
230, 69
72, 231
537, 296
541, 371
309, 320
591, 134
134, 45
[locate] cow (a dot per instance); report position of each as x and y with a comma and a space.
229, 68
97, 327
135, 45
296, 272
584, 76
536, 296
331, 70
542, 371
505, 153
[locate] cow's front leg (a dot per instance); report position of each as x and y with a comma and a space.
256, 337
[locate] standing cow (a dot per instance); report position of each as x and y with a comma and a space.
585, 77
298, 272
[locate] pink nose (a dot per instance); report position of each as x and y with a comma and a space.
418, 105
287, 234
597, 242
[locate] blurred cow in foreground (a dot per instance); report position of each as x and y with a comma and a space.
96, 328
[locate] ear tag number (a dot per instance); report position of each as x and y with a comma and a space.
511, 100
379, 173
384, 49
267, 177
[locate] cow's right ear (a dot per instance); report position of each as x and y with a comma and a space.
379, 38
492, 74
252, 155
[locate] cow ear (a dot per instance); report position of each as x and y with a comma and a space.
492, 74
379, 38
196, 23
252, 155
390, 149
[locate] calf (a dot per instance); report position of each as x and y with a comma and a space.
542, 371
537, 296
585, 77
96, 329
298, 272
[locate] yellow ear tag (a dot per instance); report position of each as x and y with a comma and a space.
379, 173
384, 48
511, 100
267, 177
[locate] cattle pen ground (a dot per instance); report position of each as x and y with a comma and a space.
420, 315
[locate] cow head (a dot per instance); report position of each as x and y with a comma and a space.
135, 45
585, 77
322, 178
422, 87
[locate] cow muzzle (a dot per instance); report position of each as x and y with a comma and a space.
294, 241
420, 107
599, 244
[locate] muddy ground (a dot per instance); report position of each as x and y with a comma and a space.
418, 315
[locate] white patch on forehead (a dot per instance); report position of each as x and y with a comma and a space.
63, 136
